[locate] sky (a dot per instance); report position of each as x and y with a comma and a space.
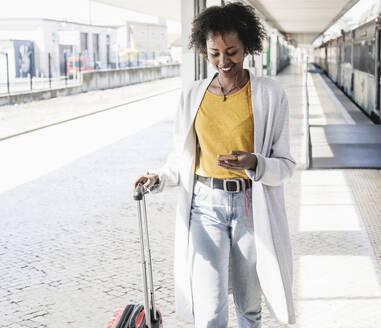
77, 11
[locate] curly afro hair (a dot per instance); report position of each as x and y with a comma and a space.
232, 17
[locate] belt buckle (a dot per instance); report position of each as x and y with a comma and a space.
236, 182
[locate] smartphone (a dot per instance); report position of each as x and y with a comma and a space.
227, 157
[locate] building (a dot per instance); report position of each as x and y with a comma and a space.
23, 39
175, 50
143, 43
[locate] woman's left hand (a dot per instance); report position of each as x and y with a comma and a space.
243, 161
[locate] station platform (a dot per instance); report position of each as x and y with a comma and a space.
68, 229
341, 135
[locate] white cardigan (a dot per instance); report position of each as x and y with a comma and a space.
274, 165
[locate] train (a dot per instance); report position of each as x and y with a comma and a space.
352, 62
283, 56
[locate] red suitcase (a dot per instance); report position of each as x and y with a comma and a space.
137, 315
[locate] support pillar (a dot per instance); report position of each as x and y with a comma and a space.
194, 67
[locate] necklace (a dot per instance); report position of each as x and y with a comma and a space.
222, 89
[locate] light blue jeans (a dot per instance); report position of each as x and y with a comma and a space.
221, 229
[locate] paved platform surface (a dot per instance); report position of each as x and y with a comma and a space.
342, 136
345, 146
69, 245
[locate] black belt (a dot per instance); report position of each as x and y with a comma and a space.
232, 185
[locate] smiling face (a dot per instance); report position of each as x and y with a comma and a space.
226, 53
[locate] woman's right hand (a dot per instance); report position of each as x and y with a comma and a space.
148, 180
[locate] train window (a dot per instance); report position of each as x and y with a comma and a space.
347, 54
332, 54
356, 56
371, 56
364, 56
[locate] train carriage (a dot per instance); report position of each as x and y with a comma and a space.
283, 57
364, 57
351, 61
346, 67
322, 56
333, 59
340, 60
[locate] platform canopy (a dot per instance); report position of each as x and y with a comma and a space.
303, 19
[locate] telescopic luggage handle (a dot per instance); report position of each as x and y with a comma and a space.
143, 229
138, 192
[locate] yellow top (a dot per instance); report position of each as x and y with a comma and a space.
223, 126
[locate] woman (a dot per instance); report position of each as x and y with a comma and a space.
231, 156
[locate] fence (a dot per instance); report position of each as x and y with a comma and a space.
41, 70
